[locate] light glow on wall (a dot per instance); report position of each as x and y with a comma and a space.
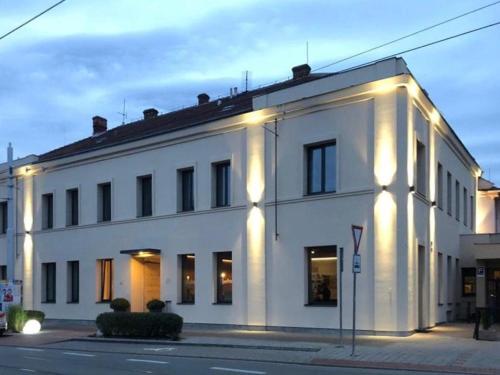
385, 214
385, 158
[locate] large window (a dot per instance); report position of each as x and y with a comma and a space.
421, 180
49, 282
105, 280
188, 278
472, 212
186, 189
448, 193
468, 282
457, 200
3, 273
224, 277
321, 168
73, 281
222, 183
144, 196
3, 217
104, 202
440, 186
465, 198
449, 280
72, 207
322, 267
47, 211
440, 279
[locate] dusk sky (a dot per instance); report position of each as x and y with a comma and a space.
86, 56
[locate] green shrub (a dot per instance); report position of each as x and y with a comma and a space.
16, 317
35, 314
155, 305
120, 305
129, 324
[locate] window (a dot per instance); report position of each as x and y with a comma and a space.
468, 282
472, 212
48, 282
47, 211
188, 278
322, 267
3, 273
466, 214
421, 168
449, 280
105, 280
71, 207
104, 202
222, 183
321, 168
3, 217
448, 193
457, 200
497, 215
144, 196
440, 279
440, 186
186, 185
224, 277
73, 281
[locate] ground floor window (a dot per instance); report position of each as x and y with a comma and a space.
49, 282
3, 273
468, 282
73, 282
322, 275
224, 277
188, 278
105, 280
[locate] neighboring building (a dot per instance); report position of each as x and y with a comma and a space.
207, 208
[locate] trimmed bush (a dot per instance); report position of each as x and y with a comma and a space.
35, 314
155, 305
16, 317
145, 325
120, 305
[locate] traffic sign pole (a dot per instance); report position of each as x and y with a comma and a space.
357, 232
340, 296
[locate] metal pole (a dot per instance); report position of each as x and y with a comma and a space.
354, 315
10, 215
340, 296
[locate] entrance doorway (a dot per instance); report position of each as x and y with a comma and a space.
421, 287
144, 281
493, 292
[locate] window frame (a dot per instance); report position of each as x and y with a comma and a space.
72, 207
219, 269
469, 272
457, 200
47, 211
421, 168
186, 201
440, 186
465, 203
310, 298
144, 205
101, 269
103, 207
309, 149
449, 193
221, 183
4, 217
183, 271
73, 288
49, 294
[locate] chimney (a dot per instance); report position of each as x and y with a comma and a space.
301, 71
203, 98
99, 124
150, 113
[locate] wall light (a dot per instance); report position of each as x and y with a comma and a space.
412, 189
28, 232
254, 204
384, 187
433, 204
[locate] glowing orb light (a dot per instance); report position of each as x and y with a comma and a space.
31, 327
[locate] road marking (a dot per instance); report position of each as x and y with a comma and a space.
36, 358
167, 349
79, 354
30, 349
26, 370
147, 361
237, 370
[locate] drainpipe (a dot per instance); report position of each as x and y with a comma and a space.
10, 215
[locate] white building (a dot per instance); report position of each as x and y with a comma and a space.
235, 209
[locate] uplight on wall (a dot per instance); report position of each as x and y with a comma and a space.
412, 189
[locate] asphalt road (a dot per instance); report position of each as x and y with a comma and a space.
36, 360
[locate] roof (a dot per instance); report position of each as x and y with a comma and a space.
188, 117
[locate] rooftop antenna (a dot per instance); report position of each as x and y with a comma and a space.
246, 79
123, 113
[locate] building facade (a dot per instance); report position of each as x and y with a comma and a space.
235, 210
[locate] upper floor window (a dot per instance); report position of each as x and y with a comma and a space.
322, 168
440, 186
47, 211
72, 207
3, 217
448, 193
144, 196
222, 183
421, 180
186, 189
465, 198
457, 200
472, 212
322, 275
104, 202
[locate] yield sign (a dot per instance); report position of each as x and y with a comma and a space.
357, 231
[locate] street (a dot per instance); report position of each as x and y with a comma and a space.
73, 358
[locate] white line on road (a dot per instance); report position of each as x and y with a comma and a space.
26, 370
147, 361
79, 354
35, 358
30, 349
237, 370
168, 349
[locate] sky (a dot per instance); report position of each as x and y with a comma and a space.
85, 57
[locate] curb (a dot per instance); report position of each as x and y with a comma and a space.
196, 344
404, 366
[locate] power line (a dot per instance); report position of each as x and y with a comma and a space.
31, 19
408, 35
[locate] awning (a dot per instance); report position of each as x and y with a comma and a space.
141, 252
